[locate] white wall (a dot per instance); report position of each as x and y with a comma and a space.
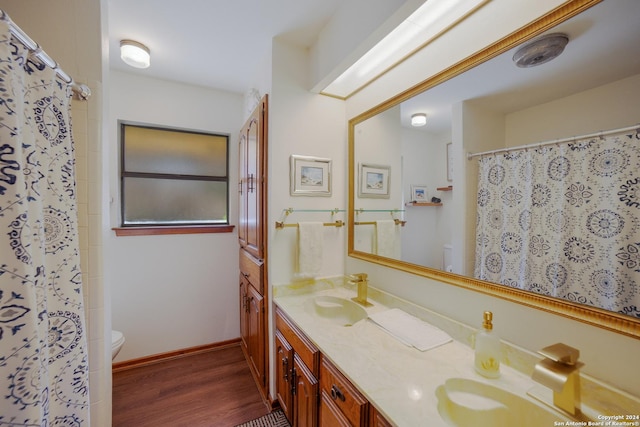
606, 107
173, 291
427, 228
303, 123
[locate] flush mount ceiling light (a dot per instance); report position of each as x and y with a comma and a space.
540, 50
430, 20
135, 54
418, 119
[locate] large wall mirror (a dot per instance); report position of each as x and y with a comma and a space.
559, 141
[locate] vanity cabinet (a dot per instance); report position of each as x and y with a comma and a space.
297, 362
252, 232
310, 389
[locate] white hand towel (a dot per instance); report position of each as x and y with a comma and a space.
410, 330
386, 238
310, 236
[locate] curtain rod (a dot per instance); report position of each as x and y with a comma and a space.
555, 141
82, 91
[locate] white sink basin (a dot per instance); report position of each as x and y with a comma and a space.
340, 311
463, 402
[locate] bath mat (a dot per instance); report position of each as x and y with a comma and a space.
274, 419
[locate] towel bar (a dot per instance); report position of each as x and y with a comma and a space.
397, 221
280, 224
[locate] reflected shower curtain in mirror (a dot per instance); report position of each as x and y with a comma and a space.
564, 220
43, 346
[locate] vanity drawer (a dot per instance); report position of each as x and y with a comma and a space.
338, 390
252, 269
305, 349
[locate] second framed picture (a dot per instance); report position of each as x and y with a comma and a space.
374, 181
310, 176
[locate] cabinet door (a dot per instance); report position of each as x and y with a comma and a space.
305, 396
256, 333
252, 181
242, 189
376, 419
330, 415
284, 374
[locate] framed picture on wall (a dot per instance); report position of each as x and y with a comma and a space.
310, 176
374, 181
419, 193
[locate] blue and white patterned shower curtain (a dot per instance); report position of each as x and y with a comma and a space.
43, 347
564, 220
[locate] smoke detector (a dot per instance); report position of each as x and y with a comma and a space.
541, 50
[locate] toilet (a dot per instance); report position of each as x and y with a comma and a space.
117, 341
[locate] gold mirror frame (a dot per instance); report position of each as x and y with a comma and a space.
608, 320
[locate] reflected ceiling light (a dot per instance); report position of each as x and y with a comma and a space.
135, 54
430, 20
418, 119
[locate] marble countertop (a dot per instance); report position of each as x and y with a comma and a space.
400, 381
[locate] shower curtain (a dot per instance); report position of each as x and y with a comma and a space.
43, 346
564, 220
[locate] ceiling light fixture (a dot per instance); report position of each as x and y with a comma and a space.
418, 119
135, 54
430, 20
541, 50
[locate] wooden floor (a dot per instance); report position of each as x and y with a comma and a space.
203, 390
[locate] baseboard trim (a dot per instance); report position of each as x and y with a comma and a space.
170, 355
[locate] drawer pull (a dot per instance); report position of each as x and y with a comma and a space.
336, 393
285, 368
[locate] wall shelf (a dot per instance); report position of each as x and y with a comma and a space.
422, 204
449, 188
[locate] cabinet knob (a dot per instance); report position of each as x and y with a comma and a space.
336, 393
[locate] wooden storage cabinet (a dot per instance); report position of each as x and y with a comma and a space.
252, 232
297, 361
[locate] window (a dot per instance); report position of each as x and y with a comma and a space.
172, 177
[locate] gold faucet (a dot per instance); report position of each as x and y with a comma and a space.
560, 371
360, 279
